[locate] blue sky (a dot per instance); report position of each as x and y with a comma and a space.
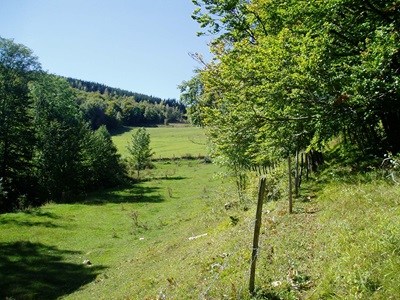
138, 45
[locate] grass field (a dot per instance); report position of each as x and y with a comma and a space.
136, 238
170, 237
168, 141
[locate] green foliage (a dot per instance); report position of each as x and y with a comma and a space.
101, 162
103, 105
59, 130
139, 148
47, 152
191, 92
18, 67
93, 87
69, 157
94, 112
116, 111
288, 76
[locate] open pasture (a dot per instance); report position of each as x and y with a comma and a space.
173, 141
122, 243
127, 243
170, 237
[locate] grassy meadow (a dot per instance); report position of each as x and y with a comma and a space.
170, 237
135, 238
173, 141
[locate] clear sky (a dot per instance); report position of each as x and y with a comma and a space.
138, 45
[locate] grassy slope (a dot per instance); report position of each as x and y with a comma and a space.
342, 242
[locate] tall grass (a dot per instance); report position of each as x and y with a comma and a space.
360, 233
342, 242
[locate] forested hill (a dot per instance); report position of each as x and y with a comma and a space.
114, 107
89, 86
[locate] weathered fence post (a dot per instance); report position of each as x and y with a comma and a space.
297, 175
301, 169
290, 185
257, 228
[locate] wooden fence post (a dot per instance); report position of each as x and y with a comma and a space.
297, 175
290, 185
257, 228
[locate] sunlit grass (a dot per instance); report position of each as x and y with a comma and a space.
136, 238
170, 237
362, 258
173, 141
342, 242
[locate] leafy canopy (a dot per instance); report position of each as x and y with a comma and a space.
290, 75
139, 148
47, 151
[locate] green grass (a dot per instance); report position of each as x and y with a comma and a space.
173, 141
341, 242
362, 259
136, 239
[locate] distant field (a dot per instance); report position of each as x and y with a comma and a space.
167, 141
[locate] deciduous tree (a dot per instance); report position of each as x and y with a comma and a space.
292, 75
59, 130
18, 67
139, 148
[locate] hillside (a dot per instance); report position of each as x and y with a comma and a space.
93, 87
114, 107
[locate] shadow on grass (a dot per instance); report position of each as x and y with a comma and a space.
124, 129
120, 130
265, 294
132, 194
167, 178
29, 223
36, 271
176, 178
35, 214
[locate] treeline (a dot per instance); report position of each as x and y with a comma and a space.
89, 86
295, 76
47, 149
104, 105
